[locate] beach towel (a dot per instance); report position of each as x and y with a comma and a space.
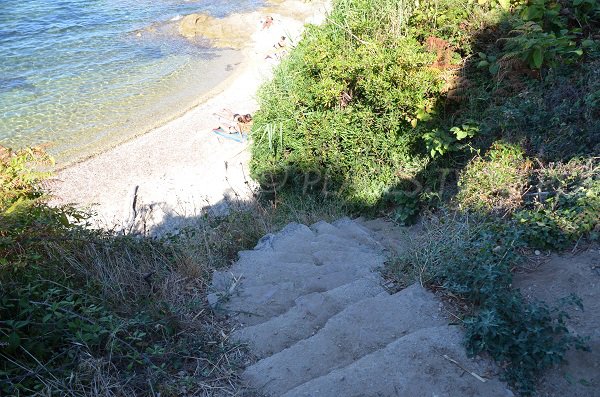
234, 137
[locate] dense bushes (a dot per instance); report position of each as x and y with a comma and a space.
495, 183
565, 205
345, 103
555, 205
387, 92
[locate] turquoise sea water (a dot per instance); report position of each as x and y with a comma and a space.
76, 73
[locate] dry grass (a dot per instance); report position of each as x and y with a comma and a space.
157, 288
425, 250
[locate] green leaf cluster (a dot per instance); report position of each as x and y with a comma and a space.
494, 183
568, 208
551, 32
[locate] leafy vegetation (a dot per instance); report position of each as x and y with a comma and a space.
555, 205
470, 260
490, 107
84, 312
495, 183
565, 207
349, 116
549, 33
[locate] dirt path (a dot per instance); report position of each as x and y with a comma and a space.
557, 276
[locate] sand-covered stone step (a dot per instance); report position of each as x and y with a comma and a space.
392, 236
413, 365
308, 315
360, 329
253, 273
288, 239
319, 255
256, 304
299, 238
266, 281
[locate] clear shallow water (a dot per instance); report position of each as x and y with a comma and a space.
75, 73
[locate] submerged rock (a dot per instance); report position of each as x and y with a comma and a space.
233, 31
237, 30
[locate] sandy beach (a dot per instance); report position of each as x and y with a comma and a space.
160, 180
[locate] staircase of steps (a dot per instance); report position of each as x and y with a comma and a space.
308, 302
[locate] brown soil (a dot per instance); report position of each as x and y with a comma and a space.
556, 276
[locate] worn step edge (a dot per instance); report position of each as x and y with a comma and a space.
358, 233
318, 255
394, 237
307, 316
251, 275
257, 304
291, 231
366, 240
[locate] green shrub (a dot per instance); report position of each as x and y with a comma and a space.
529, 336
347, 118
566, 205
495, 182
84, 312
549, 33
555, 205
19, 184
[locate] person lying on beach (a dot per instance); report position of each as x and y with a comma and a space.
280, 49
267, 23
234, 123
281, 43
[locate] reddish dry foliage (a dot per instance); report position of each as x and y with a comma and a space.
443, 51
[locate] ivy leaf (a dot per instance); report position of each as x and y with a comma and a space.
537, 57
460, 135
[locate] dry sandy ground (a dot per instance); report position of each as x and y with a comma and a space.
555, 277
158, 181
